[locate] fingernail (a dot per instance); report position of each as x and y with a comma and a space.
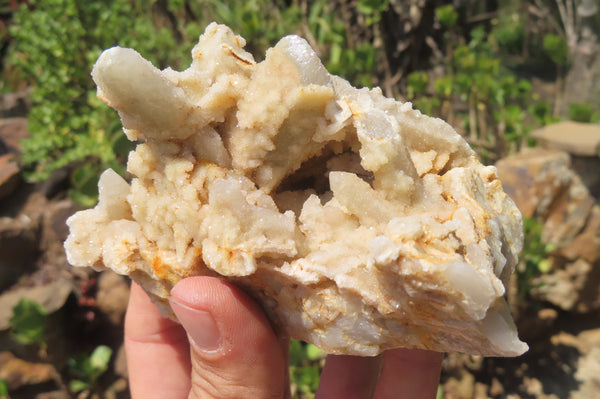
199, 325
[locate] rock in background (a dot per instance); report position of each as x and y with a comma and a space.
561, 190
85, 309
557, 184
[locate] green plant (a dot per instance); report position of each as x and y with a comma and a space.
343, 52
87, 369
556, 48
534, 258
494, 99
447, 15
372, 9
55, 44
542, 113
4, 389
583, 112
416, 84
28, 323
440, 392
509, 33
260, 22
305, 368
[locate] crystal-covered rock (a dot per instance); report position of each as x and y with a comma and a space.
357, 222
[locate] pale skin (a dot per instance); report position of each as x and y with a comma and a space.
228, 349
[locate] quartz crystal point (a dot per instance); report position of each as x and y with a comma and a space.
357, 222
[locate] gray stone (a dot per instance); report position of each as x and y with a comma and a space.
19, 247
112, 296
574, 286
10, 176
121, 363
586, 245
572, 137
588, 168
568, 213
51, 297
12, 131
544, 186
18, 373
15, 104
588, 375
534, 177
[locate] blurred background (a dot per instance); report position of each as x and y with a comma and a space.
519, 79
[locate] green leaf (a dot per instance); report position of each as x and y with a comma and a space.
88, 368
443, 86
314, 353
296, 352
541, 112
417, 83
78, 386
28, 323
176, 5
447, 15
83, 199
100, 358
440, 392
544, 266
335, 54
581, 112
306, 379
3, 389
509, 33
371, 7
478, 37
556, 48
534, 257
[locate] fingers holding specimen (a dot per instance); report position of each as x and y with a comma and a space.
234, 350
158, 354
409, 373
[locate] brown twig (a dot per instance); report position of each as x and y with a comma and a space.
347, 18
306, 28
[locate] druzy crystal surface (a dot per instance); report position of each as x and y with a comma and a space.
358, 223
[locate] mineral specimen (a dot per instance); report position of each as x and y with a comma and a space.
358, 223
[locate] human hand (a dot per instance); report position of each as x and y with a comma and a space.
226, 348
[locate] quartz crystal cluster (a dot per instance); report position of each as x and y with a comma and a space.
358, 223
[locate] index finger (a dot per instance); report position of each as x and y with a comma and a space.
158, 354
409, 373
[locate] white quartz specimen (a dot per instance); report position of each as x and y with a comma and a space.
357, 222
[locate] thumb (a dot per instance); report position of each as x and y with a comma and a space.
234, 351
